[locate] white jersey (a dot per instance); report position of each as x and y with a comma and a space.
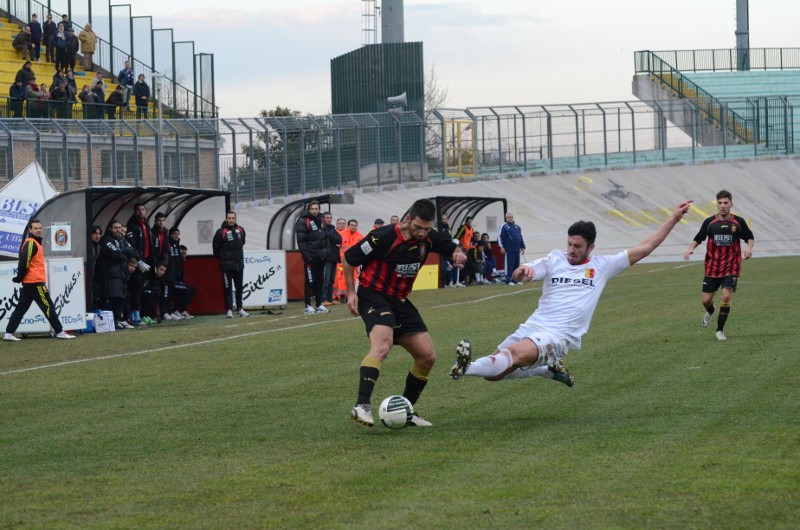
570, 292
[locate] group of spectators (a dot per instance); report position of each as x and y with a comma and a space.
481, 265
61, 47
322, 245
137, 271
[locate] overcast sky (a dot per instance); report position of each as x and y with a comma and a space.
503, 52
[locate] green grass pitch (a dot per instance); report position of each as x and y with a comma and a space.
243, 423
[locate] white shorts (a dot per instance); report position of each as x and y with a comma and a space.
551, 347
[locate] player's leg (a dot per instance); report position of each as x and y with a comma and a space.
381, 338
507, 358
710, 286
420, 346
729, 284
26, 295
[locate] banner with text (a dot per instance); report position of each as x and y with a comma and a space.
264, 282
67, 290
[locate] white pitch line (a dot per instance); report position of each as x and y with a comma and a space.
240, 336
165, 348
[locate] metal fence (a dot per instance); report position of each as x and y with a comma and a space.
276, 157
80, 153
329, 153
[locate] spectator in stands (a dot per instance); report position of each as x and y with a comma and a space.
228, 245
60, 104
43, 103
378, 223
33, 94
89, 103
98, 80
36, 37
60, 42
16, 98
139, 236
23, 43
141, 93
115, 100
66, 22
126, 80
511, 246
71, 52
335, 243
112, 271
57, 78
313, 241
72, 87
88, 41
48, 34
25, 74
394, 219
100, 96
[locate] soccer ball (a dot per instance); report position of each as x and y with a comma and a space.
395, 412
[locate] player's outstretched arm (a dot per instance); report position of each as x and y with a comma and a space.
523, 273
646, 247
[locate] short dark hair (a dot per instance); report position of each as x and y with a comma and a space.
724, 194
585, 229
95, 228
423, 209
161, 215
183, 247
136, 205
173, 230
312, 203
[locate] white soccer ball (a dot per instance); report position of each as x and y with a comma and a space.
395, 412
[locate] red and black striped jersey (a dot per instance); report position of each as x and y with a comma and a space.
724, 247
389, 263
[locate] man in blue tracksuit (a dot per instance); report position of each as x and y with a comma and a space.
511, 246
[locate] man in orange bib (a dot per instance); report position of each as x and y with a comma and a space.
32, 274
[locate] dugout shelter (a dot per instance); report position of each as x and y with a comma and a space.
198, 213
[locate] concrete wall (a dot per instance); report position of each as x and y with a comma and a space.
625, 204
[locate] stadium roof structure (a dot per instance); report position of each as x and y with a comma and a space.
281, 232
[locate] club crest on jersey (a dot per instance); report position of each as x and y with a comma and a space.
422, 252
589, 273
733, 229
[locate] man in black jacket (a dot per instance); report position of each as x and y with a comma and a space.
228, 245
313, 243
334, 242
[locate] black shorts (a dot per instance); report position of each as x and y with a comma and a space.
711, 284
399, 314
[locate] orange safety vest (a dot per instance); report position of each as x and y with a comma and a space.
37, 272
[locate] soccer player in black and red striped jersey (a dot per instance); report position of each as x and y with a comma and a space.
725, 232
390, 258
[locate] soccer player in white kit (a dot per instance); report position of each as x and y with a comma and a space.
572, 284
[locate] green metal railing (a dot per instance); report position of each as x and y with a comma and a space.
724, 60
651, 63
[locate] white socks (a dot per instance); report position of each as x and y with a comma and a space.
494, 365
491, 365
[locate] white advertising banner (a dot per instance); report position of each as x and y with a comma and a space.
264, 282
67, 290
19, 199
